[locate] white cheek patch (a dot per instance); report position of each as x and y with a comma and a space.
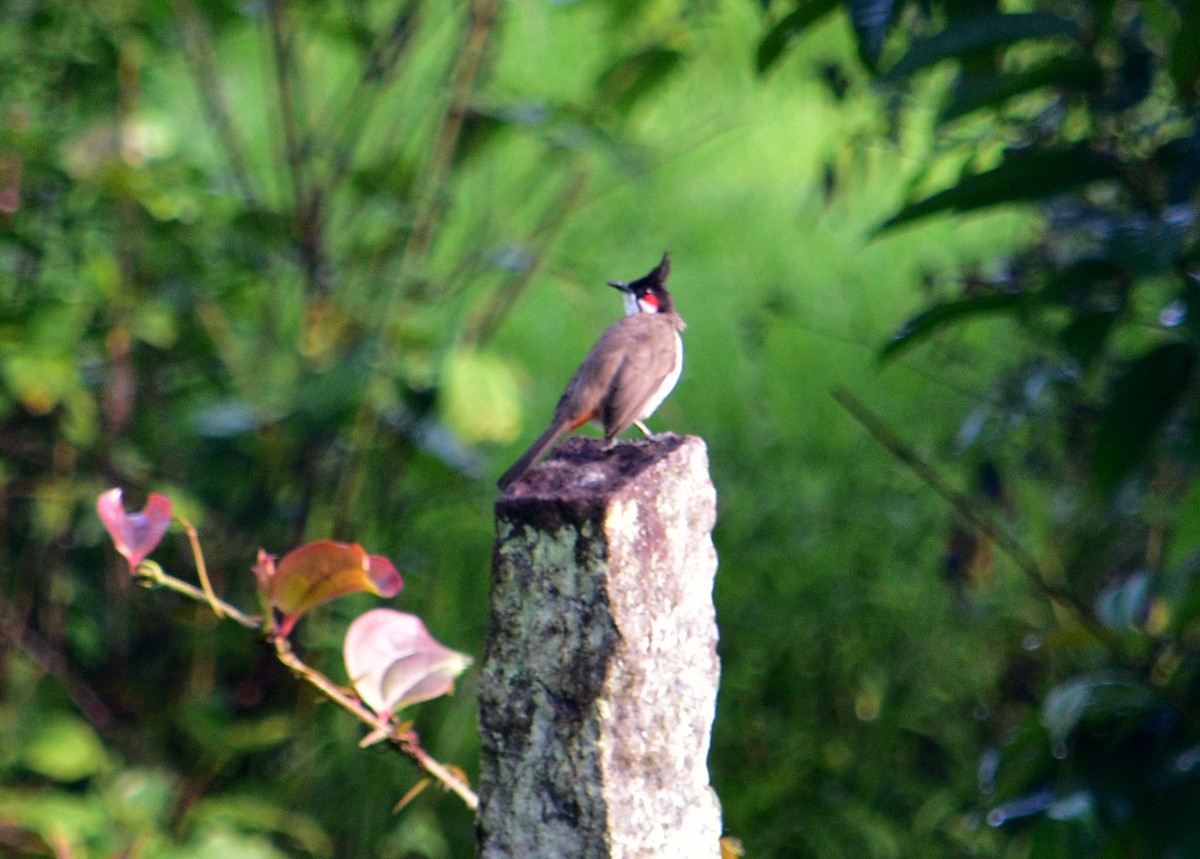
649, 304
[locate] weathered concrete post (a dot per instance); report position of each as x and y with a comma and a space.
599, 676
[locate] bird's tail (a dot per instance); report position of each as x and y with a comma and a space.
529, 457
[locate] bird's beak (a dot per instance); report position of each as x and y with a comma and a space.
619, 284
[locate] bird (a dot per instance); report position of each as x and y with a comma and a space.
627, 374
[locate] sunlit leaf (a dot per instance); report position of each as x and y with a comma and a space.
964, 35
65, 749
1142, 399
318, 572
480, 398
135, 535
1022, 177
393, 661
791, 25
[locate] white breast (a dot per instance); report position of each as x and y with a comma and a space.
668, 383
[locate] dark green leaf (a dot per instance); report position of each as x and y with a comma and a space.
1149, 245
939, 316
1142, 400
871, 20
482, 126
1091, 283
1184, 62
629, 80
1180, 158
1085, 335
965, 35
806, 13
1020, 178
1061, 74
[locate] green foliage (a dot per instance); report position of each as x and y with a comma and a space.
237, 247
1094, 106
310, 268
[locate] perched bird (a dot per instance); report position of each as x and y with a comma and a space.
628, 373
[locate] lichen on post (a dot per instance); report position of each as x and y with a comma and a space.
599, 676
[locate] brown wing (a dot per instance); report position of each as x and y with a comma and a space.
590, 385
648, 358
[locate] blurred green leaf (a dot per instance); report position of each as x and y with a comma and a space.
1087, 333
479, 397
930, 321
871, 20
964, 35
1103, 696
141, 799
787, 28
632, 78
1142, 399
218, 841
1090, 283
1184, 60
1056, 75
251, 814
65, 749
55, 812
1021, 177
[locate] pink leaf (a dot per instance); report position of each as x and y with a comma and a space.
384, 576
393, 661
318, 572
135, 535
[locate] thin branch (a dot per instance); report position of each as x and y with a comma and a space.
281, 45
151, 575
308, 201
51, 662
404, 739
203, 66
379, 72
485, 323
463, 77
974, 515
201, 569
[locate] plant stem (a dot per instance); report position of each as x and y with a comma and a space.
152, 575
201, 569
405, 739
973, 514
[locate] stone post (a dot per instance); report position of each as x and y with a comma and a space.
599, 675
